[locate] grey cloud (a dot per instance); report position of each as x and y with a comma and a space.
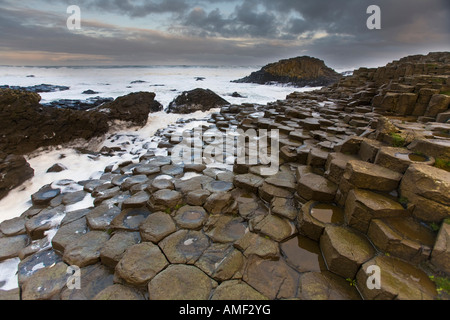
132, 8
125, 46
243, 22
243, 32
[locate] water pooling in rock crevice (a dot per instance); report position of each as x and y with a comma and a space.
413, 157
327, 213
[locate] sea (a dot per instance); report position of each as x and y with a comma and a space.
167, 82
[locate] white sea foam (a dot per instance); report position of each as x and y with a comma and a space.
8, 274
166, 82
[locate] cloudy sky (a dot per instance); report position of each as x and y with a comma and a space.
219, 32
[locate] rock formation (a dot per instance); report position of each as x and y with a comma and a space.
358, 187
25, 126
196, 100
301, 72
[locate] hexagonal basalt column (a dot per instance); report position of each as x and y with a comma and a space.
345, 250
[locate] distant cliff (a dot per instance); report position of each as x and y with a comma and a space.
301, 71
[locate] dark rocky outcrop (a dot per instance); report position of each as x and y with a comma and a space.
25, 125
133, 107
41, 88
14, 170
343, 202
196, 100
301, 72
74, 104
90, 91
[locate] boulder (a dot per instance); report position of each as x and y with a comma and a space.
73, 197
196, 100
427, 188
399, 103
398, 159
26, 126
366, 175
137, 200
311, 186
399, 281
134, 107
440, 256
402, 237
423, 100
363, 205
14, 170
57, 167
269, 191
197, 197
335, 166
345, 250
439, 103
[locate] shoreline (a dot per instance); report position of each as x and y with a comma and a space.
354, 189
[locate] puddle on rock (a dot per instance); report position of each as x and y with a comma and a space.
412, 157
235, 229
303, 254
327, 213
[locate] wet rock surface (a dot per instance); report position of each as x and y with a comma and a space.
196, 100
163, 230
301, 71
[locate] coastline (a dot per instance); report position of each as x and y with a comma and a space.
354, 177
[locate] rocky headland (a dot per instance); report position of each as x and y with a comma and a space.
363, 181
196, 100
301, 72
